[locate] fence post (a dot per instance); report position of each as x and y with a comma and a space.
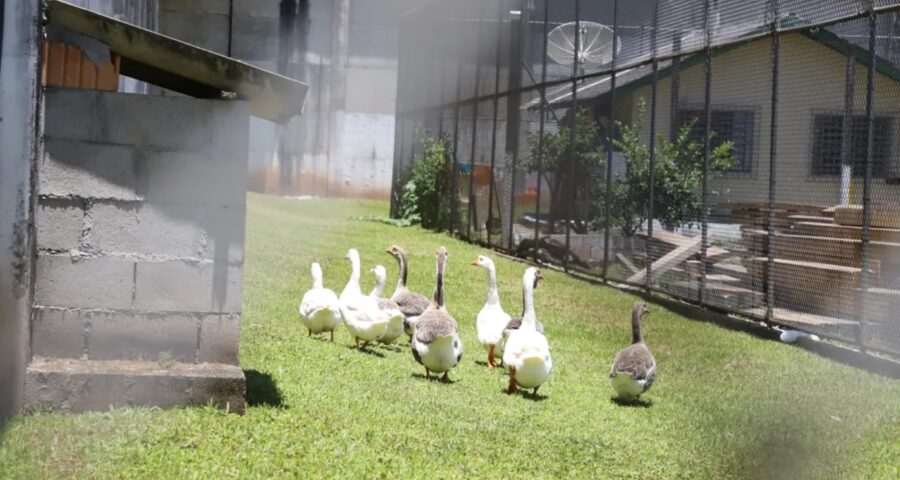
651, 213
572, 128
454, 183
610, 144
540, 159
496, 99
707, 113
773, 145
513, 116
867, 180
471, 202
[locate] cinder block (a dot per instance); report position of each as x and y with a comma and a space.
195, 179
57, 333
84, 385
230, 124
160, 122
219, 338
148, 229
69, 114
142, 336
256, 8
195, 6
255, 37
88, 170
58, 224
83, 282
225, 233
195, 287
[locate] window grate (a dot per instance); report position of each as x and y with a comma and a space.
828, 134
735, 126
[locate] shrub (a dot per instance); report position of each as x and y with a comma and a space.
426, 197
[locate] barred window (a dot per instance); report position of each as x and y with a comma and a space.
828, 134
735, 126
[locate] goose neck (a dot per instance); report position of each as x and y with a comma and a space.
492, 296
529, 319
636, 336
439, 282
401, 259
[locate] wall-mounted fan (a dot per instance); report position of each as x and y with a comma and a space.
595, 44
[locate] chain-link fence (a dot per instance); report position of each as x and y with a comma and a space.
739, 154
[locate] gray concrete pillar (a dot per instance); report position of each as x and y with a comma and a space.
19, 94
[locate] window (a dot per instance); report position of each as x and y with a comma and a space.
735, 126
828, 136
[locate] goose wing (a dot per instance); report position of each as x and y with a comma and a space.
635, 360
433, 324
412, 304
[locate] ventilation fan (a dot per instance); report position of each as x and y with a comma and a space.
595, 44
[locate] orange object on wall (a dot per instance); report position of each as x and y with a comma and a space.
67, 66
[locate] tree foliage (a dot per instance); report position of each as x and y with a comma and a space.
426, 197
678, 176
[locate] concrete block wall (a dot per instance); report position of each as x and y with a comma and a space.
140, 228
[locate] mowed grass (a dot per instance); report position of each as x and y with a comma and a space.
725, 404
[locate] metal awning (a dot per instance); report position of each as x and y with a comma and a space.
169, 63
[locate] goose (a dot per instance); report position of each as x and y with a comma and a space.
435, 342
526, 354
364, 319
791, 336
634, 367
491, 320
412, 304
395, 328
320, 310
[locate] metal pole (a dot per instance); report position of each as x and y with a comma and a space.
867, 180
652, 160
572, 129
513, 113
847, 127
471, 201
773, 146
707, 112
490, 218
540, 159
454, 184
398, 126
610, 145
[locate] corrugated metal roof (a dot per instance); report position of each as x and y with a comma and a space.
183, 67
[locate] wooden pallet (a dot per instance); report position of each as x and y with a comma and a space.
818, 229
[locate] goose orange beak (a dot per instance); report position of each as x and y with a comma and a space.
474, 263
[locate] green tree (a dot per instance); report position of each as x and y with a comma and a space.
677, 182
557, 170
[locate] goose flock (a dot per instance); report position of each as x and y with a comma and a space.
519, 343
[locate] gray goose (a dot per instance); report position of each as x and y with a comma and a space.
412, 304
634, 367
435, 342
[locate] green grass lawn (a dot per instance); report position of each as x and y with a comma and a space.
725, 404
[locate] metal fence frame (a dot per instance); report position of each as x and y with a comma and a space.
408, 112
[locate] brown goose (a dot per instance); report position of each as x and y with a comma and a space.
412, 304
435, 342
634, 367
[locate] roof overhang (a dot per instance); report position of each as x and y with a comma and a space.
164, 61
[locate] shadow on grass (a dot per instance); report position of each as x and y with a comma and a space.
262, 390
434, 378
527, 394
635, 403
366, 351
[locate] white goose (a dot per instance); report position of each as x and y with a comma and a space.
364, 319
435, 343
320, 310
634, 367
491, 320
395, 327
526, 354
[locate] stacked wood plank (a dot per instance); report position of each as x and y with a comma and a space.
817, 265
